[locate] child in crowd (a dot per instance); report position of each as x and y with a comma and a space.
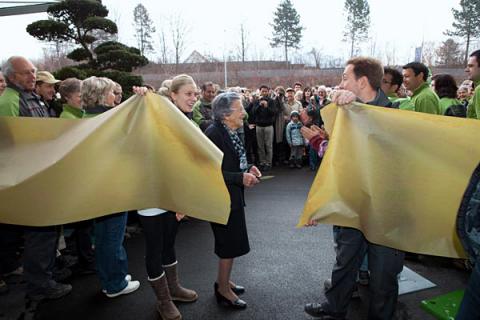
295, 140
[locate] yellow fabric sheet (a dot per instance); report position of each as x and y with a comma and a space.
398, 176
142, 154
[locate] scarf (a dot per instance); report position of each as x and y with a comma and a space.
238, 146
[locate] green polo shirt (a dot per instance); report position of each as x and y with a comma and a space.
425, 100
70, 112
474, 103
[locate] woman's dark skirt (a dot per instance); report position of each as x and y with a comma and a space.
231, 240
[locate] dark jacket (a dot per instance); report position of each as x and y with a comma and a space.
230, 164
468, 218
92, 112
380, 100
263, 117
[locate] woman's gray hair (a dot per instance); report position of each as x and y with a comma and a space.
94, 91
222, 105
69, 86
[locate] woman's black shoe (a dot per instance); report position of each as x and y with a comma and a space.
236, 289
237, 304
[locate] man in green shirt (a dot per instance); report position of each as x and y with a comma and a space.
40, 243
423, 99
473, 71
202, 109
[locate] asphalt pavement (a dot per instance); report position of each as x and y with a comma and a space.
284, 270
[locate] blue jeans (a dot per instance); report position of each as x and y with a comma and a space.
471, 299
110, 255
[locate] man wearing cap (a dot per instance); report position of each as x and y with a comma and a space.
20, 100
292, 104
45, 88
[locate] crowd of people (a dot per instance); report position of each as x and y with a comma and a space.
256, 129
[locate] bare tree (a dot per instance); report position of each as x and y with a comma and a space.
428, 53
243, 42
164, 51
317, 56
390, 54
449, 54
179, 31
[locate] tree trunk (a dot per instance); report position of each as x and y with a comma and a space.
351, 48
466, 50
286, 55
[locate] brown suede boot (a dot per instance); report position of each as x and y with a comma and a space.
178, 292
165, 307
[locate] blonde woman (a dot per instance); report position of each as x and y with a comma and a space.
160, 226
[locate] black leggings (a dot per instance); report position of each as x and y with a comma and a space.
160, 233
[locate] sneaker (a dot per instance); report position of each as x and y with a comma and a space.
131, 287
55, 292
3, 287
363, 278
327, 284
61, 275
128, 277
319, 311
16, 272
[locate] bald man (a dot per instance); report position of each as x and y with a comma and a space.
20, 100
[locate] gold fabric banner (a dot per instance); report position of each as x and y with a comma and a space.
398, 176
143, 154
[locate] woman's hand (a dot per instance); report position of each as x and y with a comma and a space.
141, 91
311, 223
308, 133
179, 216
249, 180
323, 134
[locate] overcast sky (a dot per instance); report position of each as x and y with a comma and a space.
214, 26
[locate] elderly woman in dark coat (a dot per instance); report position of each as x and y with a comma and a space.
231, 240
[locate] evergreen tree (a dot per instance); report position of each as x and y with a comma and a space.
358, 22
466, 24
287, 31
449, 54
144, 29
79, 22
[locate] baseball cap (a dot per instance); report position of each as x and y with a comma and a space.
47, 77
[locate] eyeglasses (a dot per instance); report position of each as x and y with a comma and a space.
118, 93
26, 72
386, 81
